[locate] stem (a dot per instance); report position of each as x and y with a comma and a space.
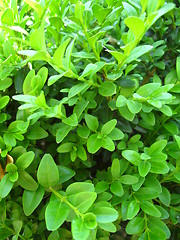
64, 199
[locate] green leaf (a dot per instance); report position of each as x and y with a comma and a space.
150, 209
117, 188
118, 56
107, 89
159, 167
79, 9
121, 101
77, 89
4, 101
133, 106
9, 139
144, 167
136, 25
131, 156
79, 231
109, 227
105, 214
2, 211
165, 196
8, 17
55, 78
160, 225
133, 209
116, 134
56, 213
94, 143
45, 169
31, 200
65, 147
90, 220
109, 126
83, 131
89, 69
62, 132
164, 213
128, 179
25, 160
69, 53
149, 118
6, 83
71, 121
158, 230
146, 193
130, 10
27, 81
91, 122
108, 144
178, 67
124, 111
135, 226
11, 168
100, 13
81, 153
171, 127
152, 181
138, 52
101, 186
80, 107
59, 54
84, 200
36, 132
177, 140
53, 235
157, 146
5, 233
144, 4
153, 17
65, 173
78, 187
37, 39
115, 169
26, 181
5, 186
36, 6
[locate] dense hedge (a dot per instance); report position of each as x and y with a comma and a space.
89, 119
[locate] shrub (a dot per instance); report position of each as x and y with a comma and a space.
89, 119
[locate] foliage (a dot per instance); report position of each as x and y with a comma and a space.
89, 119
